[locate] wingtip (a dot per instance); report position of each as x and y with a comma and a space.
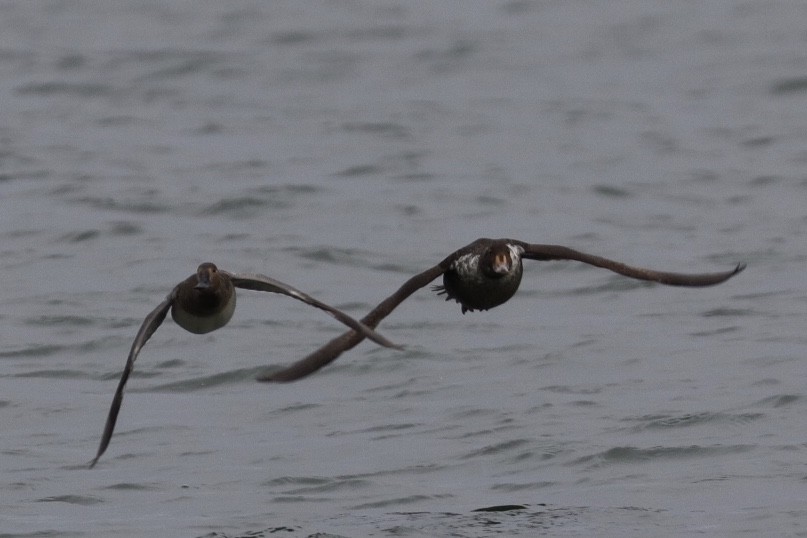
386, 342
381, 340
740, 268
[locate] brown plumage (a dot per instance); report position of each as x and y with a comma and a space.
204, 302
480, 276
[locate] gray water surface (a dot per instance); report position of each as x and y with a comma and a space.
343, 147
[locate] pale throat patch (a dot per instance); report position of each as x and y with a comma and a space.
515, 252
467, 266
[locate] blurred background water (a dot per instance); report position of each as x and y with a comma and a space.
344, 146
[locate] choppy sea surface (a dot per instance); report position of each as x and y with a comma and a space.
344, 146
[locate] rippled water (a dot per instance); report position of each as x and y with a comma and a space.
344, 146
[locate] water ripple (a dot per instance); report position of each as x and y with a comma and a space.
70, 89
329, 486
82, 500
400, 501
131, 205
630, 454
54, 374
497, 448
34, 350
132, 486
692, 419
242, 207
789, 85
781, 400
231, 377
329, 254
392, 130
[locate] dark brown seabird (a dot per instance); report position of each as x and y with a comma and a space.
204, 302
480, 276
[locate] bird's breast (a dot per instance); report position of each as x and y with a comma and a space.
200, 318
470, 287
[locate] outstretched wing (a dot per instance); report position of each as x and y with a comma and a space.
147, 328
264, 283
557, 252
330, 351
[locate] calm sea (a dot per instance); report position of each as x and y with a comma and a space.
343, 146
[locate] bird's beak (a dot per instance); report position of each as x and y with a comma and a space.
501, 264
203, 281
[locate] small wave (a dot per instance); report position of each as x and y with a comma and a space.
83, 500
243, 207
616, 283
231, 377
730, 312
720, 330
789, 85
296, 480
297, 407
298, 499
497, 448
350, 257
400, 501
693, 419
501, 508
79, 237
47, 320
780, 400
312, 481
528, 486
630, 454
384, 129
329, 486
72, 89
360, 170
116, 229
130, 205
55, 374
282, 530
131, 486
35, 350
577, 389
610, 191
